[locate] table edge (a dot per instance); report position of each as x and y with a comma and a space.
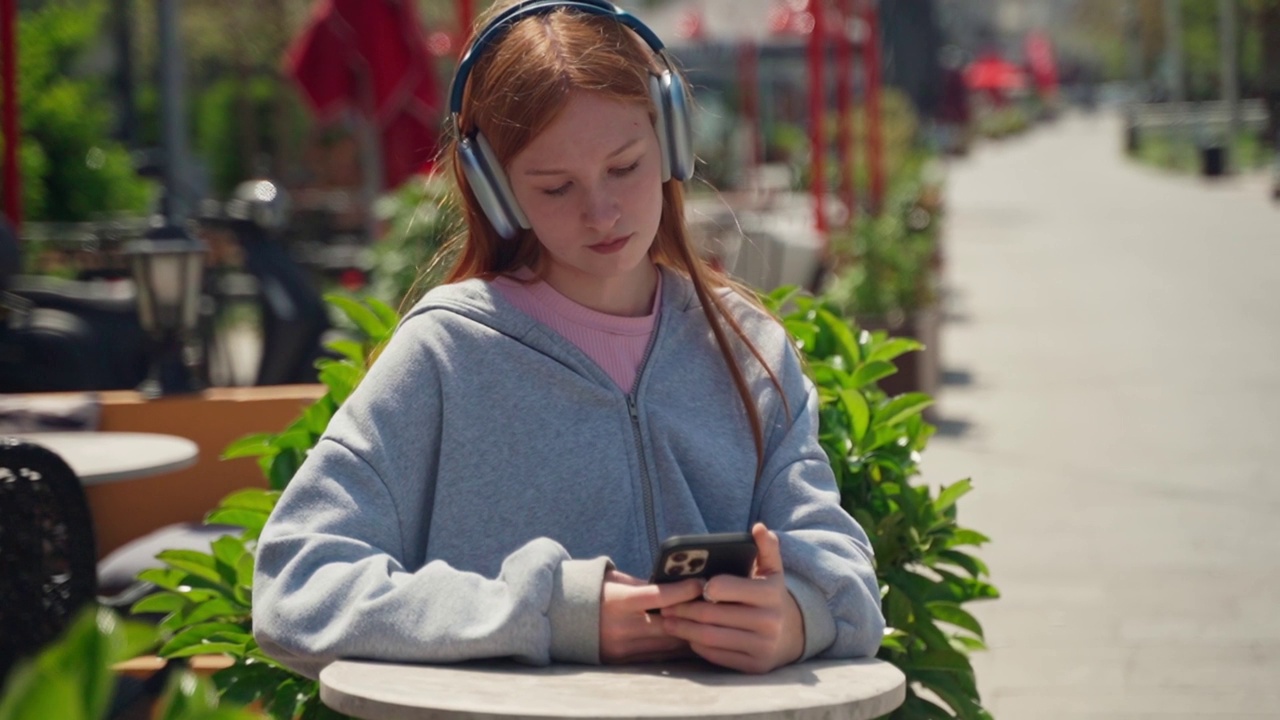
878, 705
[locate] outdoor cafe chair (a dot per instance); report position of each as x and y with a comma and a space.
47, 554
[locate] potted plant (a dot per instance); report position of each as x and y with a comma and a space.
885, 272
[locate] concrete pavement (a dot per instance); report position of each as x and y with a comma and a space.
1113, 366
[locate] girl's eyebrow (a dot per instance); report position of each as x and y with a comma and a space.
625, 146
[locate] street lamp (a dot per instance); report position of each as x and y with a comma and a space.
168, 270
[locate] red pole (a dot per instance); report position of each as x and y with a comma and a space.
9, 95
748, 79
817, 100
844, 97
875, 137
466, 15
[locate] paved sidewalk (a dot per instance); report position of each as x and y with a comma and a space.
1113, 358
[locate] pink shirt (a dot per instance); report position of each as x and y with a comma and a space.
614, 342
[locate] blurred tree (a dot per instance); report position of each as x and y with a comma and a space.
247, 118
1265, 16
72, 170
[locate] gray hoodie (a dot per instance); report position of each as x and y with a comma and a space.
468, 497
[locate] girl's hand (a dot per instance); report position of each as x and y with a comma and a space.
629, 634
748, 624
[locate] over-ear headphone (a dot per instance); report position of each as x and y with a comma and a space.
485, 175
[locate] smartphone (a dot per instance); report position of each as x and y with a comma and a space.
704, 556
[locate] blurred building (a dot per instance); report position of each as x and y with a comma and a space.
707, 36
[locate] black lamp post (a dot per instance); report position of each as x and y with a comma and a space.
168, 270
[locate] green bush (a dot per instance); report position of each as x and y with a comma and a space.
420, 216
71, 679
206, 597
874, 444
71, 169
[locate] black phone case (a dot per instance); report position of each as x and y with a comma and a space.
704, 556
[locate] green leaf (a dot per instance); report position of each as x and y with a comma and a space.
890, 349
840, 333
859, 413
208, 648
389, 317
315, 419
187, 695
951, 494
870, 372
226, 552
349, 349
195, 635
294, 439
160, 602
244, 572
32, 694
220, 608
952, 613
341, 379
967, 537
364, 318
779, 296
972, 565
283, 468
254, 445
902, 407
251, 499
952, 689
964, 643
167, 578
193, 562
251, 520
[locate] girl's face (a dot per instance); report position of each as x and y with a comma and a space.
591, 187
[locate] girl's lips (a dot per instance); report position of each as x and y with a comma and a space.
610, 246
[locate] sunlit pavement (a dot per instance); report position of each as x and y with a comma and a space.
1113, 365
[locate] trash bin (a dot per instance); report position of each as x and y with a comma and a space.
1213, 161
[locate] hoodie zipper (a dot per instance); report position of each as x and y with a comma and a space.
646, 484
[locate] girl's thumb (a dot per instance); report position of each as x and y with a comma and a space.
768, 551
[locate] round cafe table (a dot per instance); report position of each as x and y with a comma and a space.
103, 457
814, 690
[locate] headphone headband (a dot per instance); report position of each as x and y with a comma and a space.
503, 22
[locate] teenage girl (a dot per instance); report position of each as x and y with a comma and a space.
582, 387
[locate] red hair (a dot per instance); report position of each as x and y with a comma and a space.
515, 90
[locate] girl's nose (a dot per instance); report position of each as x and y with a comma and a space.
601, 210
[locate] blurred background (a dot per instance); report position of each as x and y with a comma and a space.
132, 114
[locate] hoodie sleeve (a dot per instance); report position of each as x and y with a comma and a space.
340, 570
826, 555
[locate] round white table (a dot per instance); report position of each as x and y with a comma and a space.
827, 689
104, 457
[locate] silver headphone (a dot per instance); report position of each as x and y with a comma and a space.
485, 174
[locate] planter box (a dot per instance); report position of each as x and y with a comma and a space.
917, 371
214, 418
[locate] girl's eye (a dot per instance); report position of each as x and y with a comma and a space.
557, 191
620, 172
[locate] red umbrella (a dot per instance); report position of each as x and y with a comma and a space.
992, 72
372, 55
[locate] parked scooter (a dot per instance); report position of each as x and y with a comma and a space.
294, 317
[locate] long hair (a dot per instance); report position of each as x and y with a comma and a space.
515, 90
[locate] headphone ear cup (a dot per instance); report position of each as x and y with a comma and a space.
657, 92
679, 130
489, 184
